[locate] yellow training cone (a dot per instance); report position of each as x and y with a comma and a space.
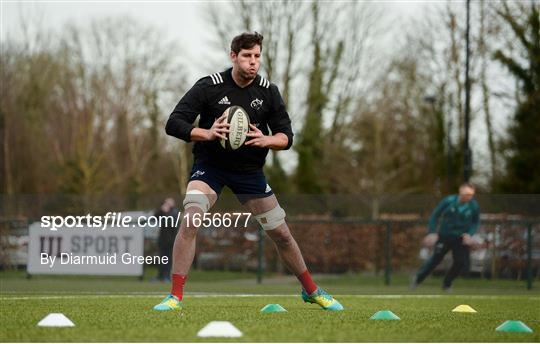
464, 309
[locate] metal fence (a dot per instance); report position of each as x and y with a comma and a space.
331, 206
505, 248
335, 233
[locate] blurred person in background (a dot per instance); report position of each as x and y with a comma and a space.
167, 215
451, 227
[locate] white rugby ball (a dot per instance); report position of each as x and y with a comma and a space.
238, 119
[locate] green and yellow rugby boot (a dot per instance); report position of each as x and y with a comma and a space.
323, 299
170, 303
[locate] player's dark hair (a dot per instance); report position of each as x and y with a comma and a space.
247, 40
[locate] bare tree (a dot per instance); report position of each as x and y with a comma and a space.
92, 110
337, 75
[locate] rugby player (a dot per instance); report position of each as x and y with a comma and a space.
241, 170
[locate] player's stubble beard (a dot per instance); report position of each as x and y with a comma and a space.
243, 75
246, 76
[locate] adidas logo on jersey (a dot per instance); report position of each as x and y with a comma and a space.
224, 101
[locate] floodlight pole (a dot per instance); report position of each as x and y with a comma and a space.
467, 153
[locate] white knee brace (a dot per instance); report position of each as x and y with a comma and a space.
196, 198
272, 219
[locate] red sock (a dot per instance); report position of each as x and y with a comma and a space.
178, 282
307, 282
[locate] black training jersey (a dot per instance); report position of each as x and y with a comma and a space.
209, 98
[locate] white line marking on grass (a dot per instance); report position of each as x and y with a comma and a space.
82, 293
207, 295
456, 296
61, 297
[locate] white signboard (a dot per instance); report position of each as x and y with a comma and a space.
85, 251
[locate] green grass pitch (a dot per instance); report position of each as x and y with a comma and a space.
120, 309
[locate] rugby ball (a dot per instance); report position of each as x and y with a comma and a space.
238, 119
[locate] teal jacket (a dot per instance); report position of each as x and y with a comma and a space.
452, 218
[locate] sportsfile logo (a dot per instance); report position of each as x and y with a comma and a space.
110, 220
113, 220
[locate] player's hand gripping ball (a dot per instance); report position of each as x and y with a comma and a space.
238, 121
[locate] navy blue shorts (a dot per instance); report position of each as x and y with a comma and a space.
245, 185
